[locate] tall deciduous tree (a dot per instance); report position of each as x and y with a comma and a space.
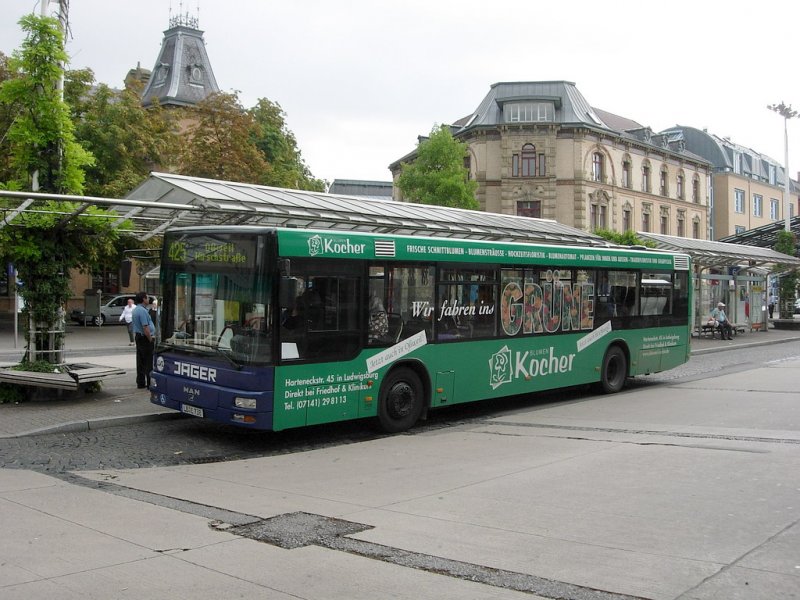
219, 142
46, 244
786, 243
41, 138
127, 140
279, 147
438, 175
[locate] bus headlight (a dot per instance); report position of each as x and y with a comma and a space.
245, 403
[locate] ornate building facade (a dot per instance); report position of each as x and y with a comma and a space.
539, 149
748, 187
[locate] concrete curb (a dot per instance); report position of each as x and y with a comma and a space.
723, 348
93, 424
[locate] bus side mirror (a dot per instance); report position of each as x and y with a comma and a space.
287, 292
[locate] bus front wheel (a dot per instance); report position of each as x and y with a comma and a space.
614, 371
401, 401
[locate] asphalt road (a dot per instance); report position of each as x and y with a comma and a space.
193, 441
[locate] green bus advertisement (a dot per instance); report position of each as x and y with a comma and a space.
276, 328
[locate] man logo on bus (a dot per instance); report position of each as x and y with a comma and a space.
315, 245
500, 368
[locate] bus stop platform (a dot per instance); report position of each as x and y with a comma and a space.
119, 402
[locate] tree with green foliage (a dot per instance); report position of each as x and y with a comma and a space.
7, 114
219, 142
279, 147
786, 243
41, 139
438, 175
127, 140
45, 244
627, 238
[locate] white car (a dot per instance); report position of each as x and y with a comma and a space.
111, 306
797, 306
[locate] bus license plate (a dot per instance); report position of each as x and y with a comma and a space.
192, 410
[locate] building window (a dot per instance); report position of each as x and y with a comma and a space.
696, 229
662, 186
737, 162
107, 281
542, 166
663, 221
739, 229
646, 221
598, 216
645, 178
626, 219
774, 211
679, 184
528, 112
528, 160
597, 166
773, 175
696, 189
758, 205
738, 201
626, 174
530, 208
515, 165
681, 225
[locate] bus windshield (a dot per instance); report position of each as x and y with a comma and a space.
218, 300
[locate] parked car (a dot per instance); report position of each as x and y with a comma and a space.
797, 306
111, 306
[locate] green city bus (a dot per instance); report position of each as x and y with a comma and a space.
272, 328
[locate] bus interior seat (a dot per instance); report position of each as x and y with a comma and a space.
395, 327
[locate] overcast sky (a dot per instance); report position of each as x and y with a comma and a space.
359, 80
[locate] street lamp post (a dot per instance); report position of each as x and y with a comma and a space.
787, 113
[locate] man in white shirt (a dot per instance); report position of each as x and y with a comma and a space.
127, 318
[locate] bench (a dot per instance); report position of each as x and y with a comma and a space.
711, 331
70, 377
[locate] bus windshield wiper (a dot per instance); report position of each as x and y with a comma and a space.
192, 344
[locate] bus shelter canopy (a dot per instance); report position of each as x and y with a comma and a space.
708, 254
166, 200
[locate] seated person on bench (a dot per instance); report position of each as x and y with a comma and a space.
720, 320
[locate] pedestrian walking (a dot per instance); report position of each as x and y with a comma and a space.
154, 316
127, 318
143, 330
771, 305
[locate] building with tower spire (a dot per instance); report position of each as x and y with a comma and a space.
182, 74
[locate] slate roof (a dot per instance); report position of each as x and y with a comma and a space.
571, 108
182, 74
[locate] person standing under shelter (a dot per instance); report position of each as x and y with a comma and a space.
771, 305
721, 320
143, 330
127, 318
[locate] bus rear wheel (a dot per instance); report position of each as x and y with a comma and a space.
614, 371
401, 401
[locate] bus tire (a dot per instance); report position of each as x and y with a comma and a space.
401, 401
614, 371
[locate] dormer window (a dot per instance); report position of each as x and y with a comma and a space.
528, 112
